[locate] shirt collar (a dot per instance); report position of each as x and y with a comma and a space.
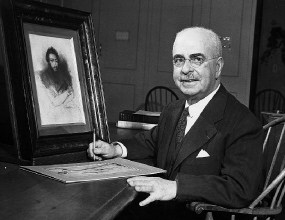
196, 109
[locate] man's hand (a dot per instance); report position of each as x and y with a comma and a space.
102, 149
158, 188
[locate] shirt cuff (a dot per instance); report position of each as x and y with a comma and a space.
176, 197
124, 149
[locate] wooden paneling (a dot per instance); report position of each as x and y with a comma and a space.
167, 18
241, 57
228, 25
118, 97
85, 5
119, 17
143, 60
201, 12
174, 16
122, 61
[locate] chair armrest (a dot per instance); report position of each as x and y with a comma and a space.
199, 207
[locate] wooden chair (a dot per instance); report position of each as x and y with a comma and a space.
268, 100
158, 97
268, 204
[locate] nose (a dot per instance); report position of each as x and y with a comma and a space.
187, 68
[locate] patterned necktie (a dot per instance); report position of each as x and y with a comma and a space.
181, 126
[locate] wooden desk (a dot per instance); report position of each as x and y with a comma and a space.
24, 195
67, 157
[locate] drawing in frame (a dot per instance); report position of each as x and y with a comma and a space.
57, 79
54, 78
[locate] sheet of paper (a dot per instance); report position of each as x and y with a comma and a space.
90, 171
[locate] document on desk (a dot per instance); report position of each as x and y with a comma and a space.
90, 171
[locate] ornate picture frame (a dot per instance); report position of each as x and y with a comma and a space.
54, 81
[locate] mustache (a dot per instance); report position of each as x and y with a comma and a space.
188, 78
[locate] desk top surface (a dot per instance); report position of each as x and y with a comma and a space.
26, 195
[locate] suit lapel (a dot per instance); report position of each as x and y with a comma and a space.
200, 133
204, 128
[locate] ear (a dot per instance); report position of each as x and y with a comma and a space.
219, 67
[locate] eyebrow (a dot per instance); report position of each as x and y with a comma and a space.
190, 56
178, 56
197, 55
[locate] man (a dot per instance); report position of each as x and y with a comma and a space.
58, 101
219, 159
57, 79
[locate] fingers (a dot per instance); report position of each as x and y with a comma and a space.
148, 200
141, 181
158, 188
90, 150
101, 149
95, 157
92, 153
140, 178
144, 188
142, 184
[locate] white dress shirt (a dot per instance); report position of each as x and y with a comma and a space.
196, 109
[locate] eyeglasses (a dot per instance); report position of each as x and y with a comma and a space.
196, 60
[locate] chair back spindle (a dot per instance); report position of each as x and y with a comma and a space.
278, 182
158, 97
268, 100
274, 157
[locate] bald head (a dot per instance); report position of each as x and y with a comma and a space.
208, 38
197, 62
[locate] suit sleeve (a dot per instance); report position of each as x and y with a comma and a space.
240, 174
145, 144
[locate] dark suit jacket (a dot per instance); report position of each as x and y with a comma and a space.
228, 132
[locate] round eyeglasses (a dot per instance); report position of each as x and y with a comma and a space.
195, 62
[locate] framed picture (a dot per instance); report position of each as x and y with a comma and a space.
57, 79
53, 79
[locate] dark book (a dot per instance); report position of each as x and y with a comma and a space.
139, 116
